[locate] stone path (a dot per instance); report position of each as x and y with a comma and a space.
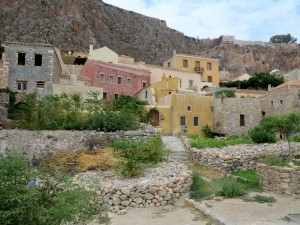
177, 149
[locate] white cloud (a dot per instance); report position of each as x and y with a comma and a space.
246, 20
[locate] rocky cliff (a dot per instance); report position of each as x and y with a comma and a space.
74, 24
253, 58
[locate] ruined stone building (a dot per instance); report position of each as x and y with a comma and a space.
30, 67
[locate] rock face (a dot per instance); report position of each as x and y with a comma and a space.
74, 24
256, 58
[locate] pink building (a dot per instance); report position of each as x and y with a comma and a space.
115, 79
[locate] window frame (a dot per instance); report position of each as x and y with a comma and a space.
182, 121
120, 80
242, 120
197, 119
111, 78
185, 63
102, 75
209, 66
22, 83
38, 62
19, 61
129, 84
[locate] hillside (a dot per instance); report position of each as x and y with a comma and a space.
74, 24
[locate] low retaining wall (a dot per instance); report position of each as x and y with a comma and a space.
39, 144
159, 187
237, 157
281, 180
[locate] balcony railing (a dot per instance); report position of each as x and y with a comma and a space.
199, 69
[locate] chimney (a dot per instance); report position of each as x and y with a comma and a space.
269, 87
91, 47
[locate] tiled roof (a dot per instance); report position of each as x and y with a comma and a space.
28, 43
291, 83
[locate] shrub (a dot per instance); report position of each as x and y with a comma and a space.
260, 135
231, 188
296, 138
129, 168
225, 94
207, 131
51, 201
264, 199
198, 188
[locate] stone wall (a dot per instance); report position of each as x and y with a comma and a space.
159, 186
227, 114
238, 157
38, 144
3, 116
281, 180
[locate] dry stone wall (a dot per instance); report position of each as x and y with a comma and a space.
159, 186
238, 157
281, 180
39, 144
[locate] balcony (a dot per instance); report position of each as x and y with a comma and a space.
199, 69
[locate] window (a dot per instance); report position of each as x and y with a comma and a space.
38, 58
209, 79
185, 63
120, 80
271, 103
170, 92
102, 78
281, 101
242, 120
191, 83
182, 120
208, 66
111, 79
21, 58
189, 108
22, 86
196, 121
180, 83
104, 95
169, 64
129, 82
146, 94
116, 96
40, 84
144, 84
197, 64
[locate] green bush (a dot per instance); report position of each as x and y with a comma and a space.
207, 131
225, 94
192, 136
260, 135
264, 199
135, 153
198, 188
231, 188
296, 138
51, 201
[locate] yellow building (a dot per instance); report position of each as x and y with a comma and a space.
207, 68
174, 110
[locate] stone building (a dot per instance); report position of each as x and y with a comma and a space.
235, 116
30, 67
115, 79
282, 99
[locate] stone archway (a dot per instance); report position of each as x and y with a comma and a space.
154, 117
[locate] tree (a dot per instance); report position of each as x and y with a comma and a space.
51, 200
285, 125
283, 38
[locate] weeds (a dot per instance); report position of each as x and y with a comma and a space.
199, 187
264, 199
231, 188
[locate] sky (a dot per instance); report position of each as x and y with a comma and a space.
252, 20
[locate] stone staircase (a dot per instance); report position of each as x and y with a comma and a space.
177, 150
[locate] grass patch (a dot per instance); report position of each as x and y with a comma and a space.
275, 160
248, 179
264, 199
219, 143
